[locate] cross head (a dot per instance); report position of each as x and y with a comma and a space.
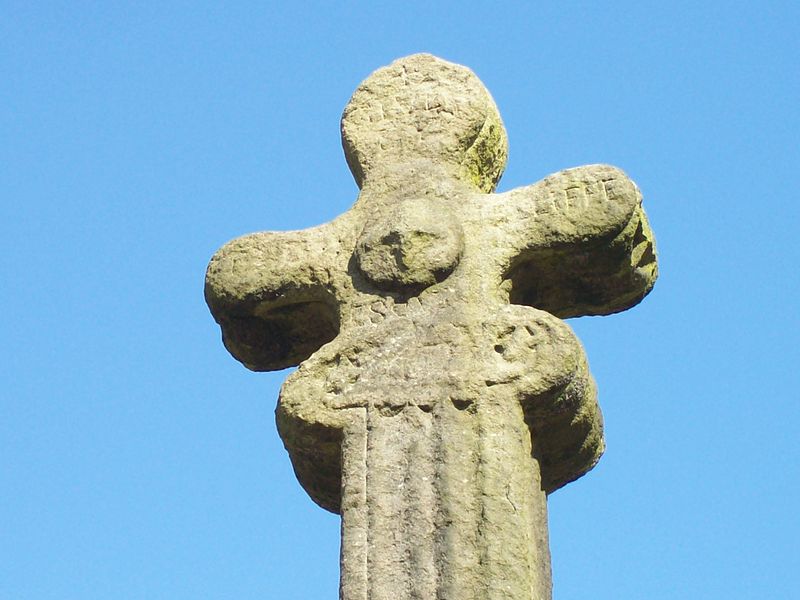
439, 396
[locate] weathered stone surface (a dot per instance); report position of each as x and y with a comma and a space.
439, 396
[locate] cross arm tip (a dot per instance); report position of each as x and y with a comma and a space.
273, 299
584, 245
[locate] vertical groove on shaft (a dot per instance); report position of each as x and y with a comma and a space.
512, 506
353, 582
458, 505
387, 457
420, 504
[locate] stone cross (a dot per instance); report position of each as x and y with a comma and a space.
439, 397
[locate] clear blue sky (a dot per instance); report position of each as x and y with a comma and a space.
138, 460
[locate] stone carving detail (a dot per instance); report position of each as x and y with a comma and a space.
439, 397
411, 248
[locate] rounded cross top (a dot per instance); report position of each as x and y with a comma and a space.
422, 107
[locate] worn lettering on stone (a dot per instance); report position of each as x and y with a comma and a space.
439, 396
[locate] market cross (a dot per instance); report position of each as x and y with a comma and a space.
439, 397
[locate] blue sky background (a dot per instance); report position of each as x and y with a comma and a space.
139, 460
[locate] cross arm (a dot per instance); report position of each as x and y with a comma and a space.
565, 420
544, 366
273, 296
581, 243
